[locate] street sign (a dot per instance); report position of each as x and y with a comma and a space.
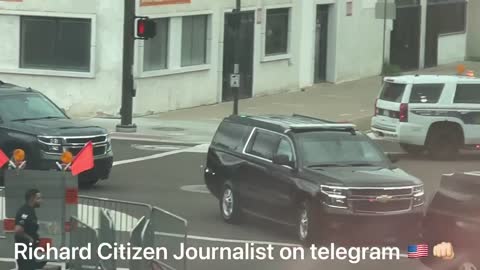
391, 10
235, 80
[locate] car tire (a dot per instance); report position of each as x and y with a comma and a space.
87, 180
308, 226
230, 208
443, 145
411, 149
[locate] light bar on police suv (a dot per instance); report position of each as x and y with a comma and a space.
323, 126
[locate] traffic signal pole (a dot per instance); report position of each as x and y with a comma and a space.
128, 91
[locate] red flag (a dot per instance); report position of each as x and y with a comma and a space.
3, 158
84, 160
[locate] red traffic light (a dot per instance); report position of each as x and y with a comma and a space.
146, 28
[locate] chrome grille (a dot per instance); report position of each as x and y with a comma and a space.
380, 192
84, 140
372, 206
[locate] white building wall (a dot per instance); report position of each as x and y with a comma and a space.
451, 48
473, 45
78, 93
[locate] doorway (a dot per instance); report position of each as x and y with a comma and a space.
247, 22
321, 43
405, 38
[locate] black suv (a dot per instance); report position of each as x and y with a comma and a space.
454, 216
310, 173
31, 121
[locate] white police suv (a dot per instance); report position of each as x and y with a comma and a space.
438, 114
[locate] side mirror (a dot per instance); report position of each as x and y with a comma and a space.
393, 158
282, 160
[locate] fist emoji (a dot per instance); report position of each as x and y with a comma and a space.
444, 251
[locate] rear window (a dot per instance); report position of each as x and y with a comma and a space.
468, 93
426, 93
392, 92
231, 136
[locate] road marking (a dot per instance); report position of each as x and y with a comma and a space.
155, 147
142, 139
196, 188
196, 149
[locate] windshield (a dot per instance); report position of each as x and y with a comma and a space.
392, 92
339, 148
23, 107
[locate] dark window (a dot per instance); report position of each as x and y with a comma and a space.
392, 92
27, 106
468, 93
264, 144
426, 93
447, 16
285, 148
231, 136
194, 40
277, 31
55, 43
155, 55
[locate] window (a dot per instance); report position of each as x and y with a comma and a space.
392, 92
277, 30
231, 136
285, 148
55, 43
448, 16
156, 49
194, 40
467, 93
338, 148
27, 106
264, 145
426, 93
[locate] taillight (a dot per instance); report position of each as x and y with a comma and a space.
403, 115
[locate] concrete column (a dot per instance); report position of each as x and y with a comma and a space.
423, 33
306, 46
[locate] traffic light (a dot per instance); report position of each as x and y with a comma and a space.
146, 28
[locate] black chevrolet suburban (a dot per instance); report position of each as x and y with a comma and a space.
31, 121
312, 174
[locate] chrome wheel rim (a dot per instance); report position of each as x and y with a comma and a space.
468, 266
227, 202
303, 225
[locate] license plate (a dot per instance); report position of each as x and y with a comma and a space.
386, 113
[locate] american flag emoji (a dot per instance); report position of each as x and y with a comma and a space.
417, 251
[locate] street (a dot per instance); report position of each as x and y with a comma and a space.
170, 177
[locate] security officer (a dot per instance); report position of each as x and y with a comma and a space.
26, 229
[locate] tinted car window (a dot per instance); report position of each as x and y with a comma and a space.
230, 135
392, 92
285, 148
467, 93
264, 144
27, 106
338, 147
426, 93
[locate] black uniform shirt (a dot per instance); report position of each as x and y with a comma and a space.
27, 218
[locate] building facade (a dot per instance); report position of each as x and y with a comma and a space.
473, 45
72, 50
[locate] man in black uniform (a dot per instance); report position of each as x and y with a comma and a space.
26, 229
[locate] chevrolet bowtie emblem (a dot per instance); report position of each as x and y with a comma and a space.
384, 198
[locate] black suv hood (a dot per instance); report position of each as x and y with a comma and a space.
56, 127
364, 177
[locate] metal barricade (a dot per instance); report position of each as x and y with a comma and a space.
170, 231
125, 215
2, 211
82, 235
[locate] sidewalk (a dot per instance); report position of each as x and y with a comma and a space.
350, 101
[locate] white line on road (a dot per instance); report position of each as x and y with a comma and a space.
196, 149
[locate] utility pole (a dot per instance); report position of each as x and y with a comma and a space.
128, 91
384, 37
235, 77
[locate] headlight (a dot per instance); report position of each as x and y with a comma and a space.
418, 196
109, 143
335, 196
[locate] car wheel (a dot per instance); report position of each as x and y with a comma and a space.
87, 180
230, 205
412, 149
443, 145
307, 224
